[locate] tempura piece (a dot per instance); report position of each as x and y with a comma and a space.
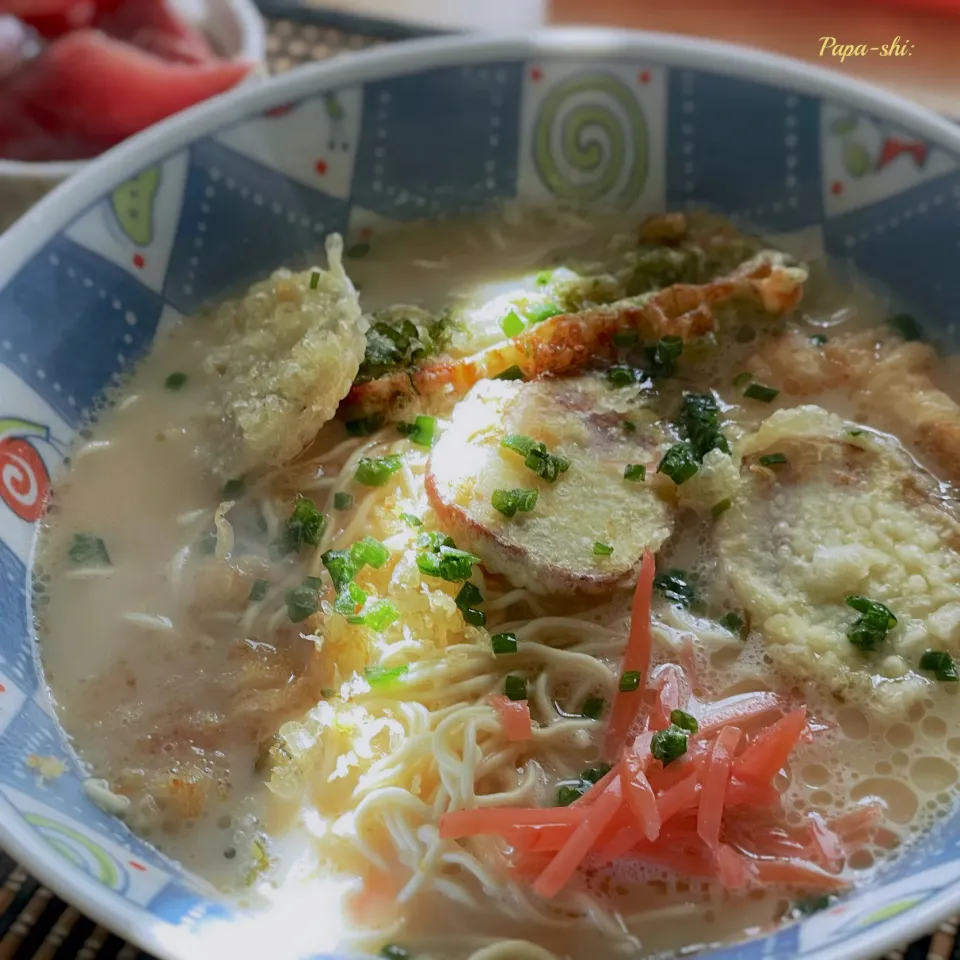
291, 348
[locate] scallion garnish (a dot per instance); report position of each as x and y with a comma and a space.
629, 681
515, 687
377, 615
342, 501
364, 426
542, 312
369, 552
304, 600
175, 381
467, 600
593, 707
411, 520
602, 549
379, 677
621, 376
670, 744
629, 426
314, 279
733, 622
305, 527
742, 379
675, 586
447, 563
700, 421
758, 391
720, 507
684, 720
870, 628
679, 463
88, 550
772, 459
941, 664
421, 431
504, 643
376, 471
662, 357
566, 794
636, 472
536, 457
511, 324
258, 591
511, 373
543, 278
508, 502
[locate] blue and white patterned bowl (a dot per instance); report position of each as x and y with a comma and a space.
244, 183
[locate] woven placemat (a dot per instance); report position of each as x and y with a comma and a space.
35, 924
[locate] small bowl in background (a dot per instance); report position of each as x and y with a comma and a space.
235, 30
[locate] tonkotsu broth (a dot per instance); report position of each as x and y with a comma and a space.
161, 666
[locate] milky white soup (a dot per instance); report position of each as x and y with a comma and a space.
618, 604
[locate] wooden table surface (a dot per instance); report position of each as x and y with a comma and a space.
930, 74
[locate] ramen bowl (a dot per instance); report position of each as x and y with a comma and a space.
221, 195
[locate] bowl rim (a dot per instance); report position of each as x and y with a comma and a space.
71, 198
253, 47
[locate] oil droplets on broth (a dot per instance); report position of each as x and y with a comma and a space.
289, 689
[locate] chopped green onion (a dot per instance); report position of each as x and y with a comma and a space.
411, 520
88, 550
772, 459
543, 278
662, 357
626, 338
742, 379
679, 463
567, 794
342, 501
593, 707
629, 681
384, 676
621, 376
941, 664
304, 600
684, 720
369, 551
467, 600
364, 426
515, 687
636, 472
377, 615
870, 629
305, 526
700, 422
670, 744
757, 391
511, 373
447, 563
504, 643
433, 540
511, 324
854, 433
421, 431
258, 591
595, 774
314, 279
376, 471
233, 489
349, 600
357, 251
906, 326
818, 339
508, 502
518, 443
733, 622
536, 457
393, 951
175, 381
543, 312
602, 549
629, 426
675, 586
719, 508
